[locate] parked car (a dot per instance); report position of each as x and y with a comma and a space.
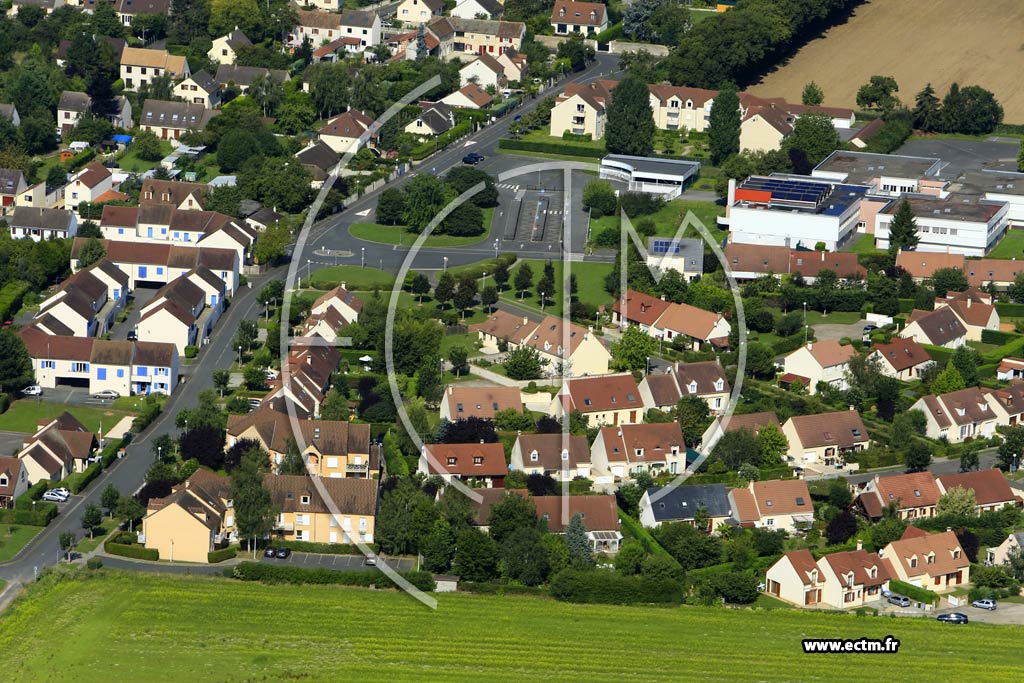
985, 603
283, 553
371, 560
270, 552
953, 618
473, 158
62, 491
886, 592
255, 402
107, 395
133, 335
32, 390
55, 497
899, 600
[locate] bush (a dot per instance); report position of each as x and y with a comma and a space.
136, 552
550, 148
94, 563
599, 197
39, 515
11, 296
913, 592
191, 351
78, 481
216, 556
997, 337
323, 548
640, 203
609, 588
268, 573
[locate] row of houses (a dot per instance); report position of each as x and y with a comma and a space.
671, 322
916, 495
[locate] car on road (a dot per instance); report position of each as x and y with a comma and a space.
283, 553
270, 552
899, 600
255, 402
984, 603
32, 390
55, 497
107, 395
473, 158
953, 618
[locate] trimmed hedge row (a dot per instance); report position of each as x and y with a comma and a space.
997, 337
323, 548
136, 552
550, 148
11, 296
273, 573
443, 140
634, 529
79, 480
24, 512
915, 593
1010, 310
498, 588
610, 588
229, 553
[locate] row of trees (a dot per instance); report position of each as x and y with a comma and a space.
420, 200
971, 110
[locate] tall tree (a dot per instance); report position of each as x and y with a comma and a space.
812, 95
438, 547
524, 278
948, 380
254, 508
524, 557
476, 556
903, 228
878, 93
724, 125
15, 363
580, 554
1010, 450
293, 462
444, 290
814, 136
188, 19
429, 383
927, 115
633, 350
630, 121
958, 501
918, 456
512, 512
421, 43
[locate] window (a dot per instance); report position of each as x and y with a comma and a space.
48, 364
332, 463
120, 373
3, 480
769, 522
913, 562
534, 456
79, 367
478, 460
305, 499
301, 519
142, 371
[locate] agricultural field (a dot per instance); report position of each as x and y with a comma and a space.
140, 627
912, 41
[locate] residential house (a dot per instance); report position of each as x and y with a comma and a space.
13, 481
940, 327
809, 264
319, 159
587, 18
39, 224
461, 402
477, 36
344, 132
599, 514
581, 109
1000, 554
639, 309
481, 464
484, 71
960, 415
478, 9
604, 400
727, 423
921, 265
183, 195
904, 359
325, 5
241, 77
10, 112
825, 439
214, 289
407, 44
154, 368
563, 457
170, 120
324, 27
59, 447
12, 184
914, 496
127, 10
777, 504
627, 450
177, 314
70, 108
705, 380
347, 304
936, 562
139, 66
751, 261
1010, 369
693, 327
502, 328
194, 520
991, 490
88, 185
199, 88
305, 378
974, 309
681, 108
470, 96
47, 6
584, 355
684, 255
436, 118
515, 65
82, 304
163, 223
684, 504
418, 11
225, 49
843, 580
822, 361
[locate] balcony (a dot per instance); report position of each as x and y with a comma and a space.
357, 468
284, 526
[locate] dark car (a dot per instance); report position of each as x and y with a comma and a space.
133, 335
953, 618
283, 553
270, 552
473, 158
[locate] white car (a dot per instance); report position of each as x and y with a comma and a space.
54, 497
61, 490
32, 390
107, 394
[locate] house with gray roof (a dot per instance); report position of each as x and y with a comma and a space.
685, 504
42, 224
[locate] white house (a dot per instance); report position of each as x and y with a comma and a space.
822, 361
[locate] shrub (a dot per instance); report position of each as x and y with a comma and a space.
136, 552
998, 337
191, 351
640, 203
609, 588
550, 148
268, 573
216, 556
94, 563
913, 592
323, 548
78, 481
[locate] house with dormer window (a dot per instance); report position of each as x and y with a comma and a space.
479, 464
960, 415
684, 503
587, 18
776, 504
705, 380
824, 440
461, 402
936, 562
562, 457
914, 496
821, 361
170, 120
604, 400
843, 580
621, 452
940, 327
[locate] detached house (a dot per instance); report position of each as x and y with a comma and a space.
88, 185
437, 118
705, 380
626, 450
139, 66
461, 402
824, 361
904, 359
605, 400
825, 439
70, 108
12, 184
941, 327
242, 77
478, 9
482, 464
684, 503
777, 504
325, 27
974, 309
199, 88
469, 96
319, 159
991, 489
936, 562
225, 49
39, 224
581, 109
59, 447
637, 308
170, 120
13, 481
484, 71
692, 326
915, 496
561, 457
1000, 554
418, 11
584, 355
843, 580
127, 10
600, 516
681, 108
961, 415
182, 195
578, 17
343, 133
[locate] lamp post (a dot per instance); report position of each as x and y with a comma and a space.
495, 248
647, 366
805, 322
266, 310
542, 302
483, 280
239, 355
362, 257
445, 267
186, 425
159, 453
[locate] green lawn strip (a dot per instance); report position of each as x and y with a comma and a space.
541, 136
544, 155
70, 624
670, 217
399, 234
834, 318
87, 545
865, 244
14, 537
24, 415
1011, 246
354, 277
589, 286
132, 163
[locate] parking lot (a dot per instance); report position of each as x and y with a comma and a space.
1005, 613
341, 562
78, 396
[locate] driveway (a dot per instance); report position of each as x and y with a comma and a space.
141, 297
835, 331
340, 562
1007, 613
10, 442
78, 396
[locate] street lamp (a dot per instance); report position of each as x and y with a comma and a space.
266, 309
445, 267
159, 453
382, 263
495, 248
362, 257
239, 355
483, 280
186, 425
647, 366
542, 302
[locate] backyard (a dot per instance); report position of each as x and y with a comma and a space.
200, 629
589, 286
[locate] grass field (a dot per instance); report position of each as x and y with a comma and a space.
14, 537
865, 244
354, 277
589, 286
135, 627
132, 163
397, 234
910, 41
670, 217
24, 415
1011, 246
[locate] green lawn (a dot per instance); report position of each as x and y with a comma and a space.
397, 234
589, 286
132, 163
540, 135
542, 155
14, 537
24, 415
1011, 246
87, 545
835, 318
354, 277
865, 244
141, 627
670, 217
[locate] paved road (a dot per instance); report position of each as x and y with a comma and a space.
128, 474
1005, 613
939, 467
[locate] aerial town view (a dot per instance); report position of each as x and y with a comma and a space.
471, 340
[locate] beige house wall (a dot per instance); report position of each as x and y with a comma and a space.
175, 533
757, 135
565, 113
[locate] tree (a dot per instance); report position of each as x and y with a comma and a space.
736, 448
149, 26
92, 251
444, 290
335, 406
110, 498
524, 557
465, 294
188, 19
292, 462
947, 381
522, 363
92, 517
489, 297
691, 548
945, 280
421, 43
130, 509
512, 512
254, 508
772, 445
630, 122
465, 220
724, 125
266, 91
599, 197
272, 244
969, 461
228, 14
15, 363
693, 416
406, 516
420, 286
204, 443
296, 113
576, 53
927, 115
438, 547
425, 196
815, 136
877, 93
147, 146
255, 377
1010, 450
842, 528
429, 382
957, 501
903, 229
971, 110
476, 556
580, 554
524, 278
67, 542
839, 495
391, 206
917, 457
812, 95
330, 85
967, 360
633, 350
221, 379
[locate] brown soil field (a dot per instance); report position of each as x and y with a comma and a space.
917, 42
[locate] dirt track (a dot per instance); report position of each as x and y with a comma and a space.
937, 41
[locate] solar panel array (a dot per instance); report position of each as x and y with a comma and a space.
784, 189
664, 246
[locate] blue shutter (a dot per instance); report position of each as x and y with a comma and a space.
101, 373
120, 373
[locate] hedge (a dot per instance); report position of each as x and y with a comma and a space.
216, 556
276, 573
634, 529
499, 588
11, 296
791, 343
610, 588
81, 159
323, 548
613, 32
133, 551
443, 140
997, 337
915, 593
41, 515
550, 148
79, 480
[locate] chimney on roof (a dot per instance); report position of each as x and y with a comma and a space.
860, 544
525, 320
343, 286
968, 302
810, 345
481, 440
309, 359
450, 389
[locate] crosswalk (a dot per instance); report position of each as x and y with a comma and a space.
508, 186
